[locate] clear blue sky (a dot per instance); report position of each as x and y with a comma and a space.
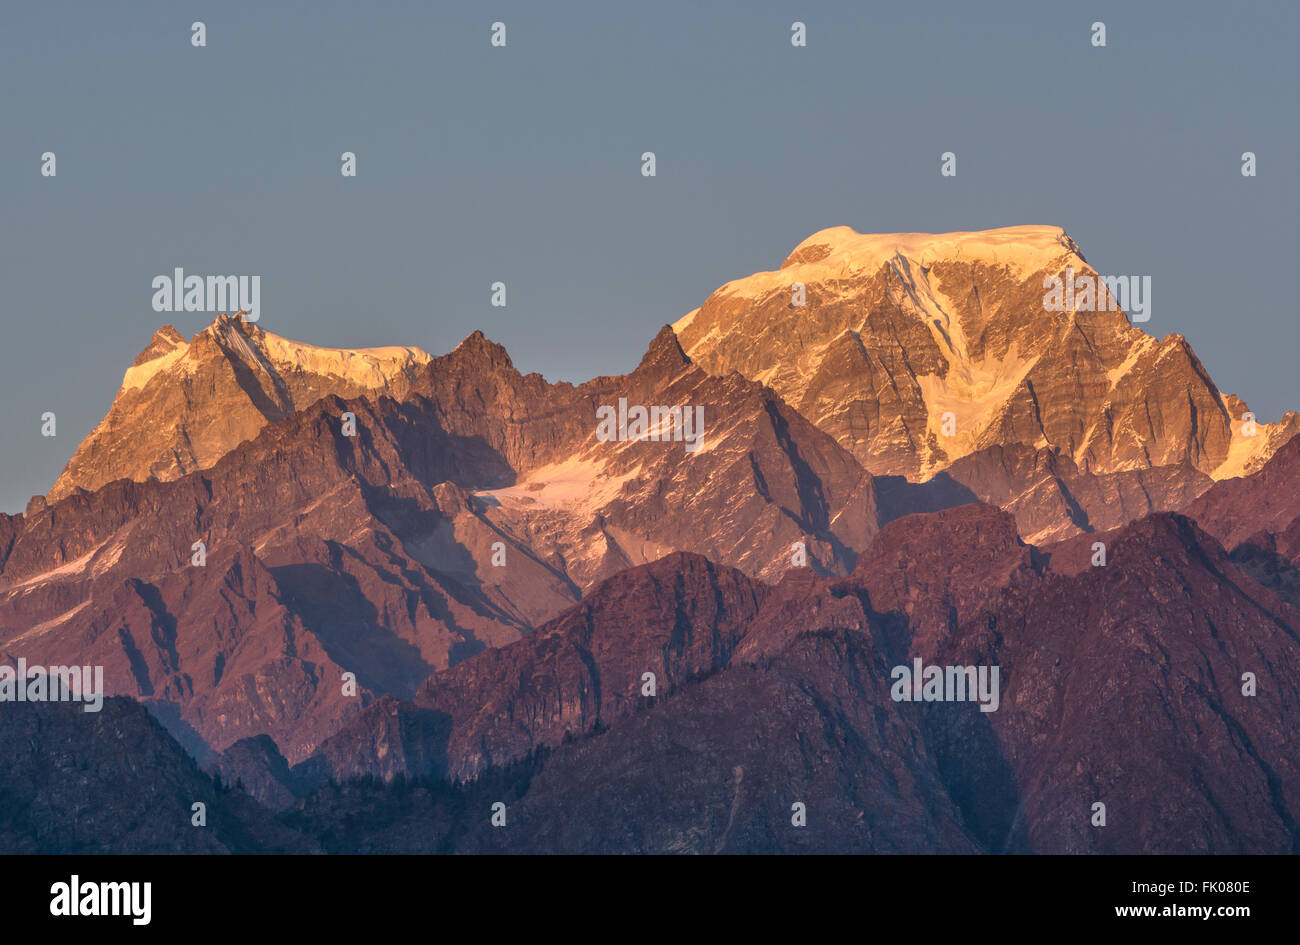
523, 164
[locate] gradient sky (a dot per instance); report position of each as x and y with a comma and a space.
523, 164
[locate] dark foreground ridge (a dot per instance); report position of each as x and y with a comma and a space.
768, 697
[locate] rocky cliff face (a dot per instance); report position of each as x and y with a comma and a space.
876, 338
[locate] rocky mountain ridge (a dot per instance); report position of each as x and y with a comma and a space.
316, 565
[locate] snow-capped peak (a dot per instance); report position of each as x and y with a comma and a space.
185, 404
366, 368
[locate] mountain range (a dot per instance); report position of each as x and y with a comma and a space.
381, 591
